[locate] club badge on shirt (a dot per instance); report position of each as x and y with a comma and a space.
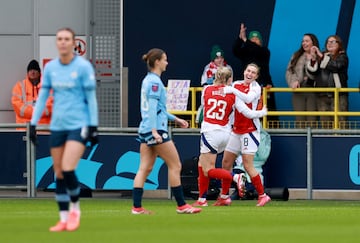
155, 88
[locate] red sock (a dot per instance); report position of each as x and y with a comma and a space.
225, 177
256, 181
203, 183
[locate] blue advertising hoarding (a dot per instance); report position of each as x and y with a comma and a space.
112, 164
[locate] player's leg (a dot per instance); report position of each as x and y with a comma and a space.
221, 140
232, 150
73, 152
57, 140
229, 157
226, 179
250, 144
240, 178
167, 151
212, 143
61, 196
203, 179
147, 159
206, 162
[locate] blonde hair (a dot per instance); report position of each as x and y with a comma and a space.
222, 75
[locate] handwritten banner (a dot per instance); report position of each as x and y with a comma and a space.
177, 94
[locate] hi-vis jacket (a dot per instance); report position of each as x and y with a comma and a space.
24, 96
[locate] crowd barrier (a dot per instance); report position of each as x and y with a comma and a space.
300, 158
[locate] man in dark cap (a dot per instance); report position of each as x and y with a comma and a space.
25, 94
252, 50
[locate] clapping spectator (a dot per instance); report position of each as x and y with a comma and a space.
331, 70
297, 77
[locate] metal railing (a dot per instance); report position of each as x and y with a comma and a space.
30, 158
336, 113
192, 112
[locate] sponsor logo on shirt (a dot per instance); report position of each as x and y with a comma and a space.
74, 75
60, 84
155, 87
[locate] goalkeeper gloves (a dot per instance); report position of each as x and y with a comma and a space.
90, 134
93, 135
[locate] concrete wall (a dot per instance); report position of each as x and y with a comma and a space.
21, 24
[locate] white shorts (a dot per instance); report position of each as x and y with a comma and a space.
247, 143
214, 142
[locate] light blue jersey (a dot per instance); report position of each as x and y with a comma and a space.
74, 91
153, 105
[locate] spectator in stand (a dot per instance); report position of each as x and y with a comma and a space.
252, 50
297, 77
331, 70
217, 60
25, 94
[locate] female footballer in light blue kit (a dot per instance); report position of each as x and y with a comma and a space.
154, 137
73, 123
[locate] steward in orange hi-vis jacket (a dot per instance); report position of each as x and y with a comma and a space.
25, 94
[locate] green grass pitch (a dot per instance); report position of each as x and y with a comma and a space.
109, 220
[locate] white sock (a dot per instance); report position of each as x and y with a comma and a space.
223, 196
201, 199
63, 216
75, 206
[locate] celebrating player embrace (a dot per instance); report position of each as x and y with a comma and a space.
215, 132
245, 136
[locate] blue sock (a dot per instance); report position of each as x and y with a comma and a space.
72, 185
179, 195
137, 196
61, 196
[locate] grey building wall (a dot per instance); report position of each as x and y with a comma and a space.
21, 24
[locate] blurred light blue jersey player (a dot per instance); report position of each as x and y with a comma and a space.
153, 105
74, 91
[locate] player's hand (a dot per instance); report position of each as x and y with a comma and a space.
90, 134
32, 133
93, 135
181, 122
264, 110
242, 34
156, 136
295, 85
